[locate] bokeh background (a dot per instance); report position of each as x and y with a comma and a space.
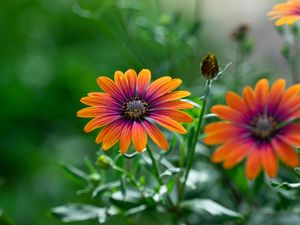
51, 53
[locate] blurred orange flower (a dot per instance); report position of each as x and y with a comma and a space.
128, 107
260, 126
288, 12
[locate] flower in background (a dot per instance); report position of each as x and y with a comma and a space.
288, 12
260, 126
129, 106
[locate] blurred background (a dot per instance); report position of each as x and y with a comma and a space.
52, 52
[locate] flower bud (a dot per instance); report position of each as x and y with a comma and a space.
104, 162
94, 178
209, 66
241, 33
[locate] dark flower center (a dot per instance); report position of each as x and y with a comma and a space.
263, 127
134, 108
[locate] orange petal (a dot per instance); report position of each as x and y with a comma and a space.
222, 135
214, 127
125, 138
269, 161
103, 99
237, 154
108, 86
95, 111
112, 137
248, 96
261, 93
169, 123
173, 96
132, 80
227, 113
166, 88
99, 122
292, 91
175, 115
291, 139
122, 83
100, 137
220, 154
139, 136
156, 85
276, 92
235, 102
286, 153
177, 104
143, 81
156, 135
253, 164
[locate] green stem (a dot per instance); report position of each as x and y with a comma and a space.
156, 172
191, 153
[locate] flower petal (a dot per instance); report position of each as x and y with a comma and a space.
122, 84
108, 86
177, 104
175, 95
112, 137
96, 111
169, 123
139, 136
125, 137
143, 81
174, 114
227, 113
132, 82
155, 85
99, 122
269, 161
164, 89
286, 153
253, 164
261, 94
156, 135
236, 102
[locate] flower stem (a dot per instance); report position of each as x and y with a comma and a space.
191, 153
156, 172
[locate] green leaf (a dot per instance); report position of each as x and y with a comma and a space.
170, 171
192, 102
108, 186
208, 207
74, 172
130, 200
90, 165
286, 185
76, 212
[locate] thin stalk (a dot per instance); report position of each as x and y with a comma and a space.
156, 173
191, 153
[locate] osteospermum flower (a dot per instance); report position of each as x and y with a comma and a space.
288, 12
260, 126
129, 106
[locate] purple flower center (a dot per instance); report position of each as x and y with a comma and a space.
134, 108
263, 127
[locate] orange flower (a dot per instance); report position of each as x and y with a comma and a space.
288, 12
128, 107
260, 126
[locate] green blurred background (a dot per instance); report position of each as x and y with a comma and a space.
51, 53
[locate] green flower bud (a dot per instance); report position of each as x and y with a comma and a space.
104, 162
94, 178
